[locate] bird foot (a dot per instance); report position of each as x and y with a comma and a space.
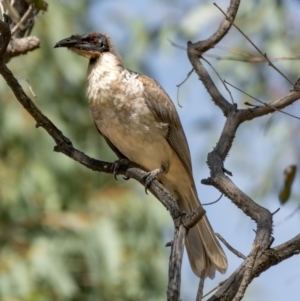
150, 176
116, 166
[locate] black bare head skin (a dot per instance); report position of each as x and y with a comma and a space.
90, 45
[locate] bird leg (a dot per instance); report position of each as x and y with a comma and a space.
116, 166
152, 175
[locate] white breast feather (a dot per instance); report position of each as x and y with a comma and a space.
119, 110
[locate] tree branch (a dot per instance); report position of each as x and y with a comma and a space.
225, 25
230, 248
20, 46
173, 292
197, 49
249, 114
208, 83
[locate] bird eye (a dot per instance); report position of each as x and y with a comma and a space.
92, 40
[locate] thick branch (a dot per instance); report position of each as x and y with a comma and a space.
262, 216
249, 114
173, 293
267, 259
203, 46
197, 49
20, 46
274, 256
208, 83
289, 248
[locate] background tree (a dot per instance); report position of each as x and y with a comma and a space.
66, 232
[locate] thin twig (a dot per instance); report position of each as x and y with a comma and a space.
269, 123
276, 211
230, 248
223, 82
1, 8
23, 19
263, 54
287, 217
250, 57
206, 204
264, 103
29, 85
200, 286
179, 85
212, 290
10, 10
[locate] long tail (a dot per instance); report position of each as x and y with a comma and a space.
204, 251
203, 248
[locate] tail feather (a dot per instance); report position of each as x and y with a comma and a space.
204, 250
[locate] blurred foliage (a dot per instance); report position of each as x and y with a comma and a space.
68, 233
39, 4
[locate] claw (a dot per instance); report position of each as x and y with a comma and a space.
150, 176
116, 166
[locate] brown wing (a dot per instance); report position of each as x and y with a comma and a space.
163, 109
116, 151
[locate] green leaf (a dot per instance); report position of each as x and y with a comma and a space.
288, 179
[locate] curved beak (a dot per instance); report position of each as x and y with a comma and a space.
68, 42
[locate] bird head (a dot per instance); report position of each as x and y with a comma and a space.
90, 45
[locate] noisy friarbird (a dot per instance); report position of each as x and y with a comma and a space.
139, 122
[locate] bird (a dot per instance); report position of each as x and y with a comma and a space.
140, 123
